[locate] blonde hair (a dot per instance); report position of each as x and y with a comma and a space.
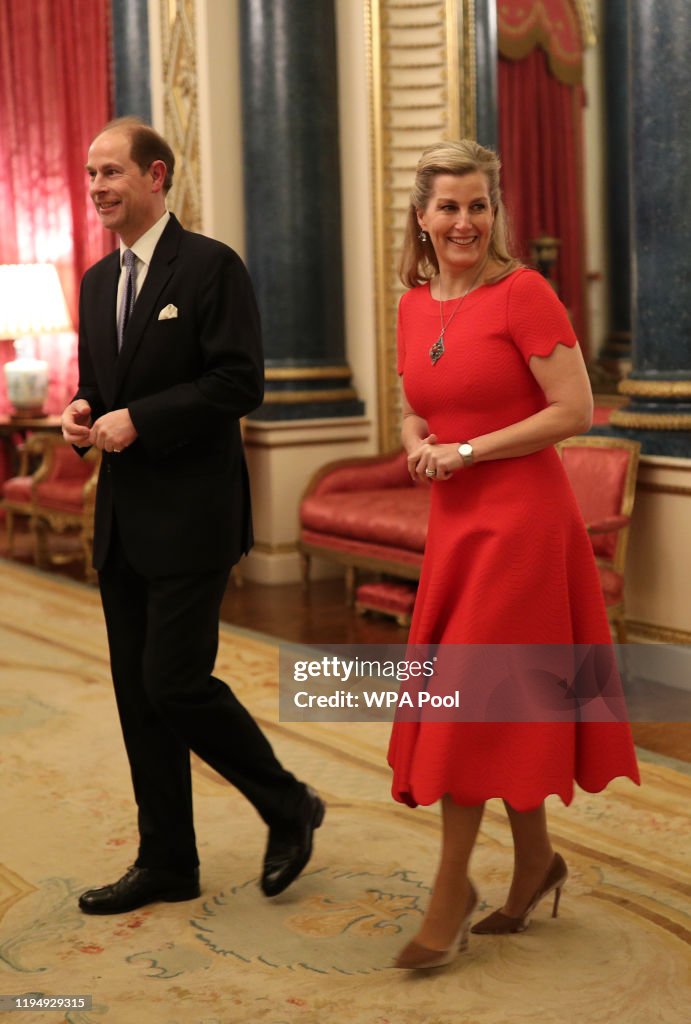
418, 260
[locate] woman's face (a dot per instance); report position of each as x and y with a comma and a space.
458, 220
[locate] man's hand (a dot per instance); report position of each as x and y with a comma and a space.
76, 423
114, 431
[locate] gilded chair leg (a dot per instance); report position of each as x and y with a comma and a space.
38, 531
622, 635
87, 550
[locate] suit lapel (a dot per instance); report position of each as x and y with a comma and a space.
105, 348
110, 297
159, 273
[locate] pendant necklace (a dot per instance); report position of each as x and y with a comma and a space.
437, 350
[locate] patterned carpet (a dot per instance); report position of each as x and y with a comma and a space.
319, 954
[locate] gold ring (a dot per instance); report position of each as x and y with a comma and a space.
430, 472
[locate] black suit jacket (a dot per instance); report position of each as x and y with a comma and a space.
180, 492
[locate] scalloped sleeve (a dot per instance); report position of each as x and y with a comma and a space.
537, 318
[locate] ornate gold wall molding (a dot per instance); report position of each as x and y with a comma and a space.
422, 89
655, 488
181, 107
586, 18
648, 631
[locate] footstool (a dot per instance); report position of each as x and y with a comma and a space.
387, 598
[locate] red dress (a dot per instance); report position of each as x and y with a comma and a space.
507, 559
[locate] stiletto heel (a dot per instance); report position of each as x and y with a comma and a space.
416, 957
501, 924
465, 933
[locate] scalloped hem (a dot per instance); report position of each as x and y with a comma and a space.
516, 801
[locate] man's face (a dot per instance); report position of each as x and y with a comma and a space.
128, 200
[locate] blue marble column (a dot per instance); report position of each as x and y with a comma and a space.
617, 347
131, 58
659, 84
293, 205
486, 52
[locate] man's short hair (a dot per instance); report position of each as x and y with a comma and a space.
146, 145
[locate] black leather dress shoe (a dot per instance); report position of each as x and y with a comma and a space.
139, 886
290, 847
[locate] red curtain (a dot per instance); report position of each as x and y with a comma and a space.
540, 133
54, 96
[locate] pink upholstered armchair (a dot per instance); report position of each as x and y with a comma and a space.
58, 496
16, 490
602, 472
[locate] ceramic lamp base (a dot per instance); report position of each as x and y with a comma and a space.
27, 385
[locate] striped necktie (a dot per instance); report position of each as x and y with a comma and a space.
129, 295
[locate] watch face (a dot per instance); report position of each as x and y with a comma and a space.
465, 450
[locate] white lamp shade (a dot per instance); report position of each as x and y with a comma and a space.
31, 300
31, 303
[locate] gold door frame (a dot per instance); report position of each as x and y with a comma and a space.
422, 88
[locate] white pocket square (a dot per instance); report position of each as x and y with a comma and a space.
168, 312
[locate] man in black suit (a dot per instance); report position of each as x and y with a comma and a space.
169, 360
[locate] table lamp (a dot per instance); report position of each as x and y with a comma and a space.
31, 303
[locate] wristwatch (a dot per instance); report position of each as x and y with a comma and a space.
466, 452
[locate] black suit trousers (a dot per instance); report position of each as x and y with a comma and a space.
163, 639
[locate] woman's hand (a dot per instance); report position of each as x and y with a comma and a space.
424, 454
431, 461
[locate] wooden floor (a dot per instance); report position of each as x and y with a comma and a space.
319, 615
316, 615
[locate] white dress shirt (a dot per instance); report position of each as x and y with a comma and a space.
143, 249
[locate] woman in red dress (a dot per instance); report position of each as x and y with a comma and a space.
492, 378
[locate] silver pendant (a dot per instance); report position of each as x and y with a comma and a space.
437, 350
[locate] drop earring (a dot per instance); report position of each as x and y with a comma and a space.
423, 236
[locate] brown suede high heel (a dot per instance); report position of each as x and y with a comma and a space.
416, 957
501, 924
